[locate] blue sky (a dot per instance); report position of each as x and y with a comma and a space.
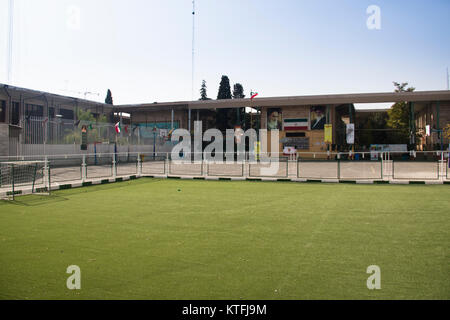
141, 49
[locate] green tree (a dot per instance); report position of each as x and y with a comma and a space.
203, 93
224, 89
98, 128
223, 116
238, 91
109, 99
399, 116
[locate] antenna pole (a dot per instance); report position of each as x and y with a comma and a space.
193, 48
448, 85
10, 41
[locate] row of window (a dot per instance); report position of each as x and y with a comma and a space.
31, 110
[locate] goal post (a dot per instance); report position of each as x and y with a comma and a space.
24, 177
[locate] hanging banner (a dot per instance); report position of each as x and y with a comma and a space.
257, 150
328, 133
351, 133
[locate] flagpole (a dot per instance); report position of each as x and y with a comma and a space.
251, 110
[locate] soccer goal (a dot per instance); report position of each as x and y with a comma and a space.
24, 177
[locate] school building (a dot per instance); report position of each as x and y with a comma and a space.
304, 122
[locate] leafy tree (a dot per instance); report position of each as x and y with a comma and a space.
399, 115
97, 128
203, 94
402, 87
109, 99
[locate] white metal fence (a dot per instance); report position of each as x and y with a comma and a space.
431, 166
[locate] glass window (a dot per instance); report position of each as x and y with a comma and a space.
33, 110
2, 110
66, 114
15, 113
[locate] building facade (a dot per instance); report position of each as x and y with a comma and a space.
31, 120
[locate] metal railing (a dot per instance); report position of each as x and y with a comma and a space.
430, 165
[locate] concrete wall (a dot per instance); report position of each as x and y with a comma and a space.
4, 139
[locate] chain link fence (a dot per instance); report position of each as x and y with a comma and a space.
58, 136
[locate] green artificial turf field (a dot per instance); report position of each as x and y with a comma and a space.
181, 239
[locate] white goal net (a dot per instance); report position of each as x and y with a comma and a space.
23, 177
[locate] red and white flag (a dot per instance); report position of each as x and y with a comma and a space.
117, 127
254, 96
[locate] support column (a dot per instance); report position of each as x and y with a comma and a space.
121, 124
139, 165
189, 120
351, 120
412, 124
114, 163
83, 169
350, 116
328, 122
172, 117
438, 127
238, 116
21, 124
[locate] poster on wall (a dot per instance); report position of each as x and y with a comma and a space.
295, 124
318, 117
274, 119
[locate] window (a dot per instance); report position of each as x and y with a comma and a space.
33, 110
2, 110
66, 114
15, 113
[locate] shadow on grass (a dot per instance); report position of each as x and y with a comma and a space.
34, 200
62, 195
104, 187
